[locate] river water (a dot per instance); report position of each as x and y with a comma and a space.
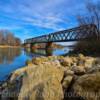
14, 58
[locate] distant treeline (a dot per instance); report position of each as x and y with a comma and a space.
8, 38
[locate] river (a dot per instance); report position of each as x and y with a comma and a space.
14, 58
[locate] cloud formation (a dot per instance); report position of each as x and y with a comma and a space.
50, 15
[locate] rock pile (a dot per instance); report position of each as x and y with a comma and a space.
56, 78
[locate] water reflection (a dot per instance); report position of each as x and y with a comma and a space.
14, 58
47, 52
40, 52
7, 55
10, 60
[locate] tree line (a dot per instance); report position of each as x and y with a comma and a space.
8, 38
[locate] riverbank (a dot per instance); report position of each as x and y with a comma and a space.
55, 78
7, 46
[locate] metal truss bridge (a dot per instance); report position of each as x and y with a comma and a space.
84, 32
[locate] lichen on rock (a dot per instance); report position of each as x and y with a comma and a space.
88, 86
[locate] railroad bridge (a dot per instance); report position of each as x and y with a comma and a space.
81, 33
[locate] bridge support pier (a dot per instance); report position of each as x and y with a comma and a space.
49, 49
33, 47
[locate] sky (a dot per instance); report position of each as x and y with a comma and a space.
31, 18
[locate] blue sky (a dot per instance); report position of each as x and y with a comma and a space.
31, 18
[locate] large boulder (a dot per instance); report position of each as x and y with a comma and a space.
78, 70
39, 82
67, 61
94, 69
89, 62
67, 81
88, 86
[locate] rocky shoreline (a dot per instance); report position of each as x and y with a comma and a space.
55, 78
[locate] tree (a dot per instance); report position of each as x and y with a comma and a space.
7, 38
17, 41
10, 40
92, 15
1, 38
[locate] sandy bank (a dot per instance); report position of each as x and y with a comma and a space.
6, 46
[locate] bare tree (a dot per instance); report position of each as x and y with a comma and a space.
92, 16
17, 41
1, 37
7, 38
10, 39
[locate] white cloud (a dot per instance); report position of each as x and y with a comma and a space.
42, 13
10, 27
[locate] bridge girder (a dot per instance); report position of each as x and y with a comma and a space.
74, 34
